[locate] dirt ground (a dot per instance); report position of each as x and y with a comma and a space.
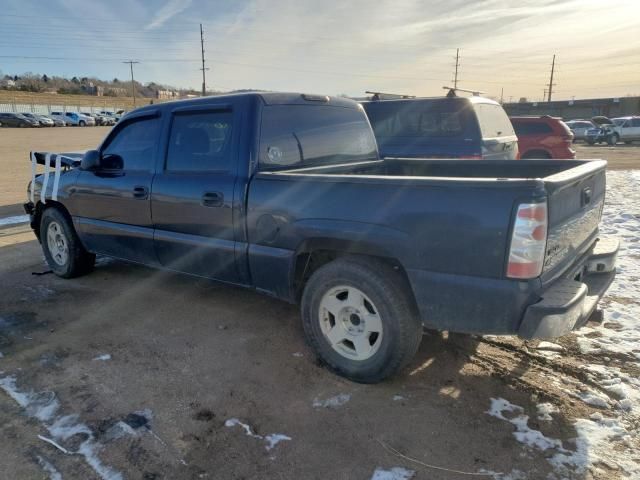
147, 368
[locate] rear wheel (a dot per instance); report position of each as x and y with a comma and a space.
62, 249
360, 319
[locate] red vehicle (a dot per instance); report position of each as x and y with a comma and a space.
543, 137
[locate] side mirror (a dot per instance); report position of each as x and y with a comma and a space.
90, 160
111, 162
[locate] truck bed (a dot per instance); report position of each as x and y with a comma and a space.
446, 220
460, 169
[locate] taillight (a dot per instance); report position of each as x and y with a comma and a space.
528, 241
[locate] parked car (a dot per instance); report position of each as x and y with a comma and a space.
42, 120
57, 121
543, 137
443, 127
17, 120
113, 119
286, 194
580, 128
628, 128
75, 118
603, 132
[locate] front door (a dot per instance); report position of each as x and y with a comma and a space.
113, 204
192, 197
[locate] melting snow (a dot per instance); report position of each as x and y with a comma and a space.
272, 439
48, 467
597, 438
44, 406
545, 410
395, 473
332, 402
103, 358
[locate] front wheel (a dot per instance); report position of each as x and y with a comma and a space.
360, 318
82, 123
62, 249
613, 139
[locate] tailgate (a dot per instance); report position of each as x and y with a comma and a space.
575, 201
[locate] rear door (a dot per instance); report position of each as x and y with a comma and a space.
113, 207
634, 130
499, 141
193, 195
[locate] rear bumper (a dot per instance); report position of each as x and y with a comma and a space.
569, 302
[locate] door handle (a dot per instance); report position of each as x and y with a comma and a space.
140, 192
212, 199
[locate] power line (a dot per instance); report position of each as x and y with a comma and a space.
133, 85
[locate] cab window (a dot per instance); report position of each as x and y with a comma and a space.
135, 142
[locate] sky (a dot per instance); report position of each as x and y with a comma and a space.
334, 46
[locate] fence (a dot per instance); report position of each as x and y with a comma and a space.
44, 103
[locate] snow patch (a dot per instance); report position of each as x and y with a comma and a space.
394, 473
48, 467
272, 439
597, 439
523, 433
44, 406
398, 398
332, 402
103, 358
549, 346
545, 410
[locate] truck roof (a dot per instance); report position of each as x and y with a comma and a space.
268, 98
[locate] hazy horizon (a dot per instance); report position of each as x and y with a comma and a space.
402, 47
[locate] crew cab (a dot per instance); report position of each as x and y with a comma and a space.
286, 194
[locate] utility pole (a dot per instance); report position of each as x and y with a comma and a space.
551, 84
501, 95
133, 85
544, 94
455, 78
204, 83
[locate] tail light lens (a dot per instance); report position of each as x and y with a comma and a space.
528, 241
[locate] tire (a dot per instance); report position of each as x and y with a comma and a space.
62, 249
82, 123
384, 304
613, 139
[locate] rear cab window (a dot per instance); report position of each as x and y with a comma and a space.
493, 120
313, 135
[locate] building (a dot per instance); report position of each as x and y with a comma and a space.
573, 109
166, 94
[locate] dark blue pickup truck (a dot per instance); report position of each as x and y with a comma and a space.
286, 194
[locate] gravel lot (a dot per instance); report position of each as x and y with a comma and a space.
141, 374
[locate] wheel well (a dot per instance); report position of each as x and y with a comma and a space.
536, 154
39, 210
308, 262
